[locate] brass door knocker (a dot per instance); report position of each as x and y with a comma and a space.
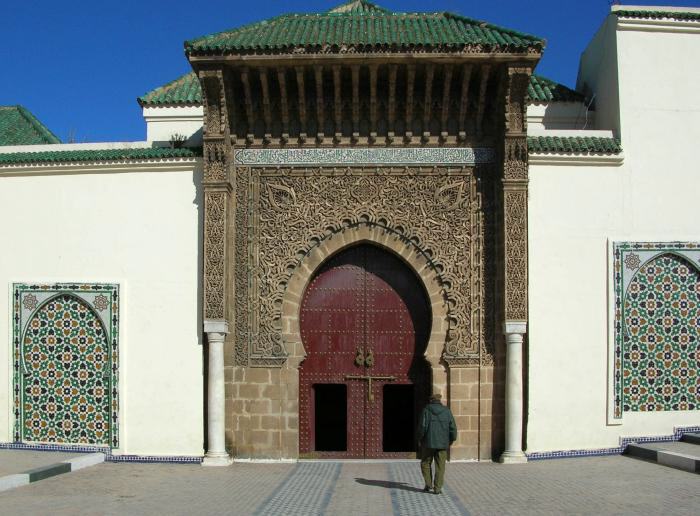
369, 359
360, 357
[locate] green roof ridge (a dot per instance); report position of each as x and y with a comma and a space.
573, 145
544, 90
654, 15
18, 126
83, 155
358, 7
40, 128
185, 90
362, 27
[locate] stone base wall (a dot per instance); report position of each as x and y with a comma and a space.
476, 398
262, 412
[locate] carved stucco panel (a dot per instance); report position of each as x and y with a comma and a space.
515, 222
287, 211
215, 254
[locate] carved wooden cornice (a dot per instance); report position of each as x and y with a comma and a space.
412, 102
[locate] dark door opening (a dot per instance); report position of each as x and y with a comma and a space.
331, 417
399, 418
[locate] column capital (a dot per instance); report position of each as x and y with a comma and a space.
514, 327
215, 326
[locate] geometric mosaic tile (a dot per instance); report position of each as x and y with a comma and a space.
656, 363
66, 363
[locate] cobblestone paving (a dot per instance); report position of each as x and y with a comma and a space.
599, 485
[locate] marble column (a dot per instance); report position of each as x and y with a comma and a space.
216, 399
514, 331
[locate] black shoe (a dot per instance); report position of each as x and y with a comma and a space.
427, 489
438, 491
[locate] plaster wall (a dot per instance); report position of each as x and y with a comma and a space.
575, 210
140, 229
164, 122
598, 77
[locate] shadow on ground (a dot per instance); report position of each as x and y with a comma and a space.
388, 484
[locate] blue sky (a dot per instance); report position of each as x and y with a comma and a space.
79, 65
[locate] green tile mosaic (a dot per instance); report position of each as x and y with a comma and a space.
66, 363
657, 327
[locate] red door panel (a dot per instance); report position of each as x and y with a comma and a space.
363, 315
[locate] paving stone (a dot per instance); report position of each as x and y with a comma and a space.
18, 461
595, 485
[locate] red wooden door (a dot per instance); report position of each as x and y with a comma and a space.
364, 323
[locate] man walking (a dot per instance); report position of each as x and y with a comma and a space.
436, 431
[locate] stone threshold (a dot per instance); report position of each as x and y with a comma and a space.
59, 468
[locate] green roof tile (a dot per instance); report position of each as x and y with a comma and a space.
183, 91
656, 15
67, 156
19, 127
365, 25
359, 6
186, 91
543, 90
573, 145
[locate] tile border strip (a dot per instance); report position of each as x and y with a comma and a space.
616, 450
109, 456
366, 156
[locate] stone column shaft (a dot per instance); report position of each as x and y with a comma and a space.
514, 393
216, 398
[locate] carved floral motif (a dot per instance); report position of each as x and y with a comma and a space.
286, 212
515, 222
214, 255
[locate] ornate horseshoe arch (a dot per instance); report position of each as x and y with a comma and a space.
289, 220
381, 235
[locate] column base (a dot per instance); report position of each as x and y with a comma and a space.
217, 460
513, 458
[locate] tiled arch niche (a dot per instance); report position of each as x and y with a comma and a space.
655, 350
66, 363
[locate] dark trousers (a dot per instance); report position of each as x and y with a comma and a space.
428, 455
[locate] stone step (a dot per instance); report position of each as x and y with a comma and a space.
691, 438
676, 454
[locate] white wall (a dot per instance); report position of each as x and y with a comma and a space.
575, 210
141, 229
598, 76
163, 122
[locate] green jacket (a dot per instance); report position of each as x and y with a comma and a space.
437, 428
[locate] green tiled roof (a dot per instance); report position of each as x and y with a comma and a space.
364, 25
573, 145
359, 6
655, 15
183, 91
19, 127
186, 91
543, 90
67, 156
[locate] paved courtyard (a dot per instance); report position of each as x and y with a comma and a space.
598, 485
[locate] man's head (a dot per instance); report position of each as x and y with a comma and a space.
436, 397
